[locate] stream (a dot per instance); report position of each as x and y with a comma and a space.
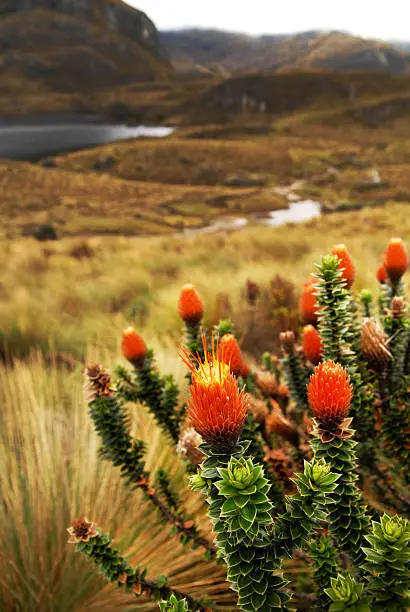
297, 212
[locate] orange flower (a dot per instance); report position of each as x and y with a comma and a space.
346, 266
133, 347
381, 274
312, 344
230, 353
396, 259
190, 306
329, 393
216, 408
308, 303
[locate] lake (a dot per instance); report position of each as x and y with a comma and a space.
30, 141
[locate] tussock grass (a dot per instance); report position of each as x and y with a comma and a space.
50, 474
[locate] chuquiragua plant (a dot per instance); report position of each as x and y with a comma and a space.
302, 462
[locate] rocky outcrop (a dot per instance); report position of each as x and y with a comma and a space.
77, 44
114, 14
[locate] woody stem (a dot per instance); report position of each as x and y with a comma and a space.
176, 521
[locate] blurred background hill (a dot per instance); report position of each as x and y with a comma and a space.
225, 52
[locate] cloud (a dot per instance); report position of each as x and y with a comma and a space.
368, 18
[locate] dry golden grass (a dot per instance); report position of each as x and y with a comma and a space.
182, 161
65, 295
50, 474
78, 203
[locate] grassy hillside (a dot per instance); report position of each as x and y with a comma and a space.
267, 96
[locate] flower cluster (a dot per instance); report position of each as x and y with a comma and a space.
280, 448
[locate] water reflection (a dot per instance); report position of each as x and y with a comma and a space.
31, 142
296, 213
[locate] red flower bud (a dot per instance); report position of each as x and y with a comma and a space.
312, 344
133, 347
190, 306
330, 393
229, 350
308, 303
245, 370
396, 259
381, 274
346, 266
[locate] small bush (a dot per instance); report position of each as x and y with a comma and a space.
45, 232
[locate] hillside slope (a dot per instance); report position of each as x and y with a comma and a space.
263, 97
224, 52
60, 46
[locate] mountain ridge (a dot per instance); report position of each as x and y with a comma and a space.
222, 52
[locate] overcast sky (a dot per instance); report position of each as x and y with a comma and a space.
386, 19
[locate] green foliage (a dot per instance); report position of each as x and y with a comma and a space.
252, 432
346, 595
173, 605
388, 563
297, 379
127, 387
396, 328
348, 521
339, 334
326, 567
224, 327
241, 513
159, 394
247, 506
395, 432
117, 570
110, 564
167, 490
193, 341
394, 385
304, 511
111, 423
366, 300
